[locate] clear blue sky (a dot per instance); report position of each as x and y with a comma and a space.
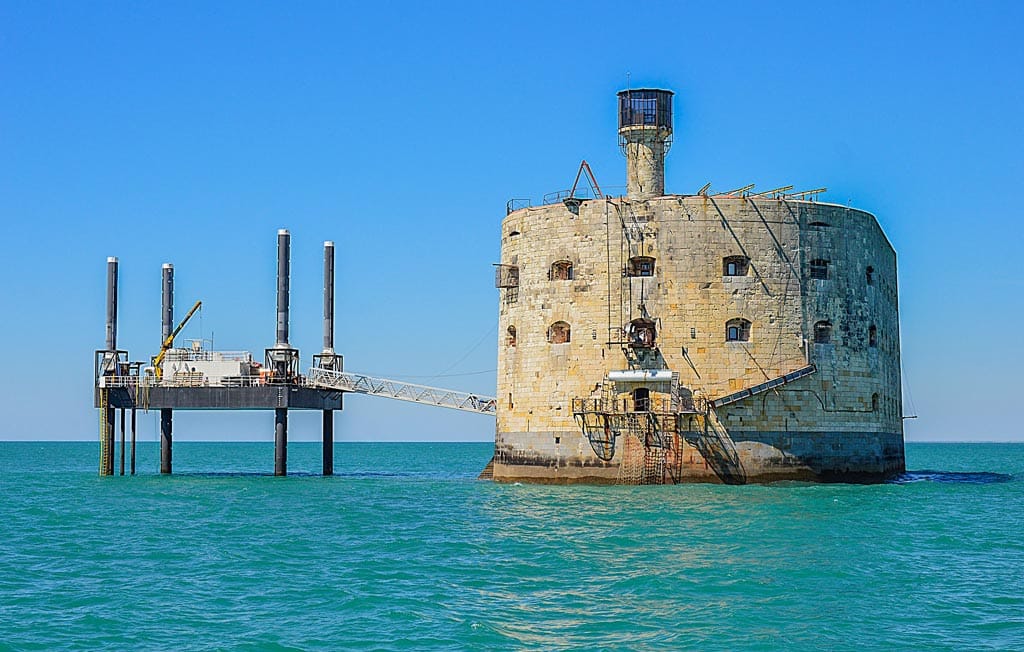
190, 132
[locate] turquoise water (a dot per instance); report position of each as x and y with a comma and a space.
405, 550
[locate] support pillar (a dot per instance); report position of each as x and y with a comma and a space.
122, 443
166, 420
280, 441
328, 442
133, 442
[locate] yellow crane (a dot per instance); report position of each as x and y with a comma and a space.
169, 342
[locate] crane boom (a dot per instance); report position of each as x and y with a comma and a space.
169, 342
585, 167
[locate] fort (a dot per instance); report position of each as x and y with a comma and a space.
733, 337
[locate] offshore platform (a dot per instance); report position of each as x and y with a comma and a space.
194, 378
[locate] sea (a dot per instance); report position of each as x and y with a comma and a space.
404, 549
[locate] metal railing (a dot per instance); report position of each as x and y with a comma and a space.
186, 380
514, 205
190, 355
360, 384
660, 404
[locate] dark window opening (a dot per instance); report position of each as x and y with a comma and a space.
641, 399
640, 266
513, 234
737, 330
559, 333
819, 268
642, 334
735, 266
511, 339
869, 275
872, 336
823, 332
561, 271
874, 402
819, 224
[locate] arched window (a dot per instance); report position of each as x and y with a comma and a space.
735, 266
737, 330
872, 336
874, 402
869, 275
559, 333
819, 268
642, 334
640, 266
561, 271
511, 338
641, 399
823, 332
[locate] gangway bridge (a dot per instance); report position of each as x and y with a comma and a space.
345, 381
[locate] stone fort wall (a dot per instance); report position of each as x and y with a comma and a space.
843, 421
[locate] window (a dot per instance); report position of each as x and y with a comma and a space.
818, 224
642, 334
559, 333
511, 338
640, 266
872, 336
823, 332
641, 399
819, 268
737, 330
869, 275
561, 271
874, 402
735, 266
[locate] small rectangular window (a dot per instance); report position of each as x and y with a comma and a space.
819, 269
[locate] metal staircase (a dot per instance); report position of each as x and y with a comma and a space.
358, 383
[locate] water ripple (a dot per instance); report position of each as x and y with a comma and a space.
404, 550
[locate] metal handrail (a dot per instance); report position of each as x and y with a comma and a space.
190, 355
133, 382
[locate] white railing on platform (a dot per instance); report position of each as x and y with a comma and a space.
179, 380
360, 384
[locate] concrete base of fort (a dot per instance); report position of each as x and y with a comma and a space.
747, 457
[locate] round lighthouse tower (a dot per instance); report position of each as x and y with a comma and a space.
645, 136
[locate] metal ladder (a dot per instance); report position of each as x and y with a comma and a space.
105, 452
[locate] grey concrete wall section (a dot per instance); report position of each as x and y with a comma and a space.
266, 397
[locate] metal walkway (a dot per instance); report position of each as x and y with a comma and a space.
764, 387
360, 384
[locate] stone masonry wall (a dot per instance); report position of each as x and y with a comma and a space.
796, 431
